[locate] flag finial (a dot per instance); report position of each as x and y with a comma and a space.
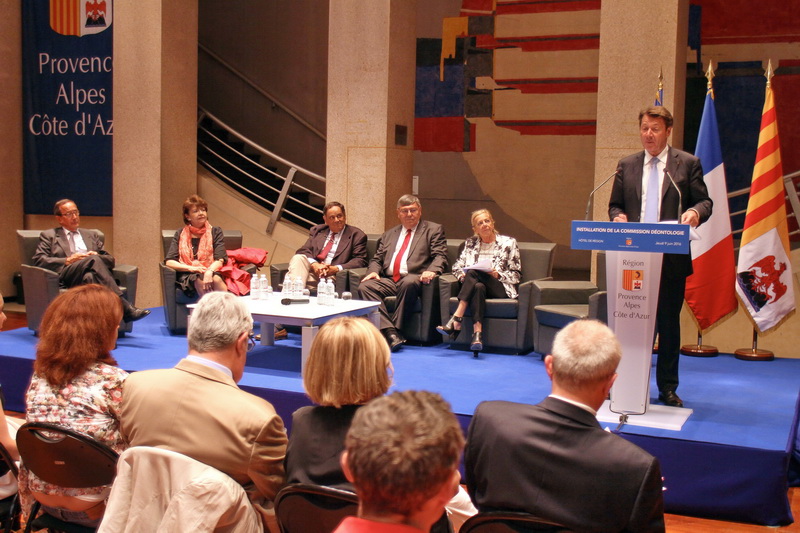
710, 76
660, 90
769, 73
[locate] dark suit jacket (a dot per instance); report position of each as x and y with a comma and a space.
350, 253
316, 443
53, 249
553, 460
686, 170
428, 250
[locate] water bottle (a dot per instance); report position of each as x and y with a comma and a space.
322, 292
286, 291
297, 290
268, 291
255, 287
331, 291
263, 285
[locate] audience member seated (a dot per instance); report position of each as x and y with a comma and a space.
8, 483
496, 276
197, 409
348, 366
76, 384
197, 251
78, 256
408, 255
401, 454
553, 459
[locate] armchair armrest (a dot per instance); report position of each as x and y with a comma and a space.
277, 271
548, 292
354, 276
127, 276
448, 288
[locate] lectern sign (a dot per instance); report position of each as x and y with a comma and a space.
664, 238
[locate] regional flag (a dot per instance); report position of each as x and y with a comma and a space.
710, 292
80, 17
764, 273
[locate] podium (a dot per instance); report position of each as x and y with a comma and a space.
634, 254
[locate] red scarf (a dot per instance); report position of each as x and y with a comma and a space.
205, 250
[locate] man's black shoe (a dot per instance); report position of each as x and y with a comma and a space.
670, 398
394, 338
132, 314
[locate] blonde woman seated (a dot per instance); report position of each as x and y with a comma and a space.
500, 280
197, 251
348, 366
76, 384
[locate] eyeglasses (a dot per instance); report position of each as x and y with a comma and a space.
409, 211
70, 214
251, 341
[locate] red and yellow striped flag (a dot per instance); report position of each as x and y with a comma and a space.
764, 273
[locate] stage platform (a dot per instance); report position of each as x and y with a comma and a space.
733, 459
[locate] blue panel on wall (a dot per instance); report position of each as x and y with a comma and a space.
436, 98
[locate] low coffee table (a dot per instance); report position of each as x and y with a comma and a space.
310, 316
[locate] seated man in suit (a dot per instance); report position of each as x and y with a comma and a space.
198, 410
78, 257
331, 247
401, 454
408, 255
553, 459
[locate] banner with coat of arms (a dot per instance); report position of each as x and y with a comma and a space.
67, 71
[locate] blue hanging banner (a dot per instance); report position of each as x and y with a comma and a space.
67, 72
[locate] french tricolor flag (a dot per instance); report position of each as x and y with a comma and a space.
710, 291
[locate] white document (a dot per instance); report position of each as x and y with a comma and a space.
481, 266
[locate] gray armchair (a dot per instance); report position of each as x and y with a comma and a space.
420, 326
508, 323
557, 303
175, 301
41, 286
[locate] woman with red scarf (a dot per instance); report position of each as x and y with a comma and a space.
197, 251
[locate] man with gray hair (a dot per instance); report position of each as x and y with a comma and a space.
408, 255
197, 409
553, 459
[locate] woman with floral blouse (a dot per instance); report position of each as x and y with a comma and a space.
76, 384
497, 274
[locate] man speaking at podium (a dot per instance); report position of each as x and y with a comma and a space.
646, 190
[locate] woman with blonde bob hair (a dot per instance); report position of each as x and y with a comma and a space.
349, 364
76, 384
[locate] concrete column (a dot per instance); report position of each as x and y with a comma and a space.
637, 40
155, 110
371, 75
10, 140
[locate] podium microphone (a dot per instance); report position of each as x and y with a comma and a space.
591, 195
680, 197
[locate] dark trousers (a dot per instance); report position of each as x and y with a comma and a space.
475, 288
668, 327
90, 269
406, 290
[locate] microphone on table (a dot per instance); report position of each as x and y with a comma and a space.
294, 301
591, 195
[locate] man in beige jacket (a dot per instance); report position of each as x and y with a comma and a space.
197, 409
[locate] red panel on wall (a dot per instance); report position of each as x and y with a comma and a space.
545, 6
731, 21
787, 87
443, 134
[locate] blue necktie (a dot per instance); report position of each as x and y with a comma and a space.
653, 194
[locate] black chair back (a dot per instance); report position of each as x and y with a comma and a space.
64, 457
509, 522
306, 508
9, 507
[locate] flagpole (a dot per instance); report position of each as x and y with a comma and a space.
754, 353
700, 349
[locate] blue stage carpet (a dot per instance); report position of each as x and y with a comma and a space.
731, 461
